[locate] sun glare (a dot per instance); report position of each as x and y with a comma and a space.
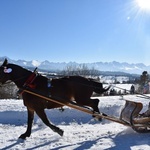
144, 4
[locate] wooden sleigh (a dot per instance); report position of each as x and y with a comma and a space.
129, 116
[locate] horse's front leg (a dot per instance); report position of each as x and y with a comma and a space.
42, 115
29, 126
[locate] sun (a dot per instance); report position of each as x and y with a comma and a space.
144, 4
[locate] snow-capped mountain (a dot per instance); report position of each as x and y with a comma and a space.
101, 66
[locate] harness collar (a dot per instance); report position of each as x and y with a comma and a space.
29, 82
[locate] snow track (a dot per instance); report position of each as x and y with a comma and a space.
80, 130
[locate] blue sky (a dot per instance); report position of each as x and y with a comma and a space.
75, 30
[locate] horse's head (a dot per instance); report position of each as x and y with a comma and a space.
5, 72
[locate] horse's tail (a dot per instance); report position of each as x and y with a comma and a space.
98, 87
106, 89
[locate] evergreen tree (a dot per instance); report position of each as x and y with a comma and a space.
144, 80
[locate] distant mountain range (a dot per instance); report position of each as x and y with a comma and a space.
114, 66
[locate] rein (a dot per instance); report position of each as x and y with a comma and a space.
144, 96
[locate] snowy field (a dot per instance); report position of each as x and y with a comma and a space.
80, 130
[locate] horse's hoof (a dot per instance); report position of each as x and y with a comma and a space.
60, 132
22, 137
99, 119
61, 109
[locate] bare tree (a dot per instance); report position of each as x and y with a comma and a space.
8, 91
81, 70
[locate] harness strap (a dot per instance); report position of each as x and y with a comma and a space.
48, 87
29, 82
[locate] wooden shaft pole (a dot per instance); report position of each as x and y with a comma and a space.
111, 118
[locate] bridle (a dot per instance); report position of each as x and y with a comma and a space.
9, 81
26, 76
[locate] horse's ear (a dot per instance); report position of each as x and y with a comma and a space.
5, 62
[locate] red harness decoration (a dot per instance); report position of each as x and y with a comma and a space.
29, 81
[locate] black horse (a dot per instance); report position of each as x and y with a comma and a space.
72, 88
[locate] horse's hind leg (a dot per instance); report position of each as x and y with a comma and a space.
95, 103
30, 121
86, 101
43, 116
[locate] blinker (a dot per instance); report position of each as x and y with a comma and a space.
9, 70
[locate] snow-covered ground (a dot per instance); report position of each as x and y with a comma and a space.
80, 130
